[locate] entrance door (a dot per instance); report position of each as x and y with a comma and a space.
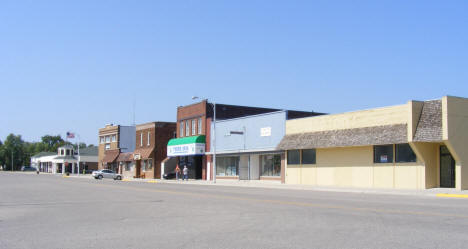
137, 168
447, 168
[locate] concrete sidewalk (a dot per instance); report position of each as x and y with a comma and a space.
434, 192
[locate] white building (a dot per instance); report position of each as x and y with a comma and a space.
66, 160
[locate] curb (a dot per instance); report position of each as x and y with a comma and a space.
452, 195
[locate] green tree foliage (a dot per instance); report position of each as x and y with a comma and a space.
52, 143
2, 157
13, 151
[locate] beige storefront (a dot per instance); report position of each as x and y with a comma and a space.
418, 145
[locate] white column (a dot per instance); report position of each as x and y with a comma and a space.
162, 170
208, 171
73, 168
54, 168
63, 168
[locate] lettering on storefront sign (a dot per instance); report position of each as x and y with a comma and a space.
265, 131
186, 149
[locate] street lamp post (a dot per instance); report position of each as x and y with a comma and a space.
214, 137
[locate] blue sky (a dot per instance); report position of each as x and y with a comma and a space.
78, 65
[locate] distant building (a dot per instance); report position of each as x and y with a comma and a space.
150, 150
114, 139
66, 160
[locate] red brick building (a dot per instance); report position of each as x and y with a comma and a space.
193, 133
150, 149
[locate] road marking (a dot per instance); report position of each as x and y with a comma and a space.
452, 195
152, 181
289, 203
66, 176
125, 180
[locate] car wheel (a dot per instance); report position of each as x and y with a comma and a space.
118, 178
100, 177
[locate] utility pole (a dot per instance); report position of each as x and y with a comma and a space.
12, 160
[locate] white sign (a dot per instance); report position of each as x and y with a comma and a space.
186, 149
265, 131
136, 157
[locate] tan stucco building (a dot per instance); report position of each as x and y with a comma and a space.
417, 145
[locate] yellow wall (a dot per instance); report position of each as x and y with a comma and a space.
367, 118
354, 167
455, 135
429, 154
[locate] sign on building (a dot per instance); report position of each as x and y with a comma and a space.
265, 131
186, 149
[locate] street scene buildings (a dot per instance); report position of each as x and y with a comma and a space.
417, 145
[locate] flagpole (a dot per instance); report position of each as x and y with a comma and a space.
79, 157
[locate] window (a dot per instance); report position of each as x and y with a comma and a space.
404, 153
148, 143
101, 139
67, 152
181, 132
227, 166
107, 146
271, 165
383, 153
62, 152
149, 164
308, 156
294, 157
187, 128
107, 139
194, 130
114, 138
141, 139
143, 165
128, 166
199, 126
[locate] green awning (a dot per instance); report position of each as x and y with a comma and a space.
187, 140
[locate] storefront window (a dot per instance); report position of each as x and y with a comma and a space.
271, 165
294, 157
143, 165
149, 164
227, 166
308, 156
404, 153
383, 153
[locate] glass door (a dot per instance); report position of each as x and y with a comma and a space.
447, 168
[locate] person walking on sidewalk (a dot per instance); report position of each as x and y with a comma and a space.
185, 173
177, 172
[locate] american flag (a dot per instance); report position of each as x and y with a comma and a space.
70, 135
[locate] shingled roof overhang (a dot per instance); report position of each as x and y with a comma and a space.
377, 135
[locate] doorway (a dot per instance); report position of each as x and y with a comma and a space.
447, 168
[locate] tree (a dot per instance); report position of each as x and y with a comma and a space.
2, 156
52, 143
13, 151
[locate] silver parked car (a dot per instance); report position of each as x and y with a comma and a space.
106, 173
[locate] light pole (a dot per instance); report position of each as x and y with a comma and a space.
11, 160
214, 136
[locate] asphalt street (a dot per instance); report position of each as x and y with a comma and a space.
49, 211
